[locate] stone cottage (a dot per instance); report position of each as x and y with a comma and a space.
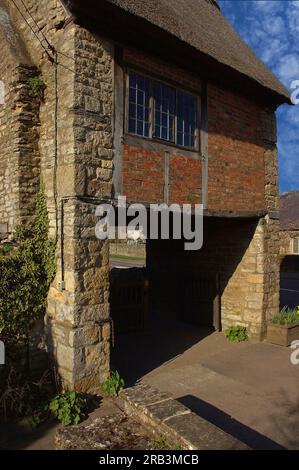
160, 101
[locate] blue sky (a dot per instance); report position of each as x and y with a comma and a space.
271, 29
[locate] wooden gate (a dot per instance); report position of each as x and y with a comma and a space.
199, 300
128, 300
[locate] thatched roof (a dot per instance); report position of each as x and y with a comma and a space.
201, 25
289, 211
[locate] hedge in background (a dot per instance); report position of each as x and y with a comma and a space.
25, 277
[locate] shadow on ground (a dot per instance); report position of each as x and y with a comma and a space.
136, 354
19, 436
229, 425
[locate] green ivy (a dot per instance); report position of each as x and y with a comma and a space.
26, 275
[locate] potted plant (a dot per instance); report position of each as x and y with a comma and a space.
284, 328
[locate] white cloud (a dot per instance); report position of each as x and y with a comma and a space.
288, 68
289, 163
274, 27
292, 116
267, 6
293, 21
274, 48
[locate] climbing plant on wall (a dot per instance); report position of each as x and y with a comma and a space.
26, 274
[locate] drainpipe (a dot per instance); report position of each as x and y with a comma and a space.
61, 283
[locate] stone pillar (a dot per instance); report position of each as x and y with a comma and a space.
78, 320
78, 325
251, 295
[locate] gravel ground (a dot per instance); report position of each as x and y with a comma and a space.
116, 432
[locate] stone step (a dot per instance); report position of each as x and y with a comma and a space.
168, 417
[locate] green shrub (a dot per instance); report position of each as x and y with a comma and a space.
69, 408
236, 334
37, 87
114, 385
286, 316
26, 274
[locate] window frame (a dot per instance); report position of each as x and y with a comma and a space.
177, 88
293, 241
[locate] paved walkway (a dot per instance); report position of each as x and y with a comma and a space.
249, 389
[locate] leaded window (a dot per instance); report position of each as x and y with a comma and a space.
159, 111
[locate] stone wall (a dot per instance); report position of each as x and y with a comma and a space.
286, 246
19, 125
74, 147
48, 15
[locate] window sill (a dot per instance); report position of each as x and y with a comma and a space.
157, 145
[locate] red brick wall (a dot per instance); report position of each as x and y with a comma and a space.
184, 180
143, 175
236, 152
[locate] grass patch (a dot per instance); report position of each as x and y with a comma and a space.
287, 317
161, 443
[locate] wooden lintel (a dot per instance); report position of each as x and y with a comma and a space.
159, 146
234, 214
